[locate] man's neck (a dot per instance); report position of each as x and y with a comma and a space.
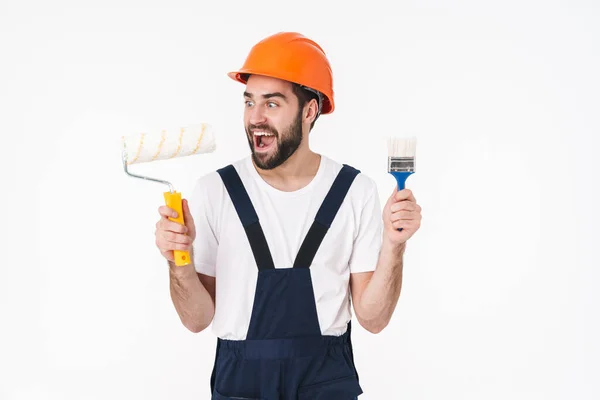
295, 173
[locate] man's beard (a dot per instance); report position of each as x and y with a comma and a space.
287, 144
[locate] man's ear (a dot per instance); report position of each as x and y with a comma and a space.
311, 111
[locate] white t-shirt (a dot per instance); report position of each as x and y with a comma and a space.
221, 248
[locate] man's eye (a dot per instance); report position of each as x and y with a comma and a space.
271, 104
249, 103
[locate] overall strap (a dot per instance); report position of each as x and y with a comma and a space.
325, 216
245, 210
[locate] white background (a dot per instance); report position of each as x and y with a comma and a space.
498, 300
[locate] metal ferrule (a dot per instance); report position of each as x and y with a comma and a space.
401, 164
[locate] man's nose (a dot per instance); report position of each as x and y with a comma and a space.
257, 116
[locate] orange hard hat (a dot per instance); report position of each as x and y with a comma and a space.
292, 57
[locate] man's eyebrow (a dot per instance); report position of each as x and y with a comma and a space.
267, 95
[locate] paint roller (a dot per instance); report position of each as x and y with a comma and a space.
164, 144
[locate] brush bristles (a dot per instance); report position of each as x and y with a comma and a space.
402, 147
402, 154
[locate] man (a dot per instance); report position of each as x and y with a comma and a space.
283, 239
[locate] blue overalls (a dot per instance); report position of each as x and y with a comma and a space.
285, 356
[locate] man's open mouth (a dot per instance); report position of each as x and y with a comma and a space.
263, 141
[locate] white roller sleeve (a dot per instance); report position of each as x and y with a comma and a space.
162, 144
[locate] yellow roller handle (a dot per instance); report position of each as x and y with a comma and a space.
173, 200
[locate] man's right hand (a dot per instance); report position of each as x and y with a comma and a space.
171, 235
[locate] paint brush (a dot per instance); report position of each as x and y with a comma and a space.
401, 159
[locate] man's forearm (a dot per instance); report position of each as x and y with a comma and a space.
381, 294
191, 299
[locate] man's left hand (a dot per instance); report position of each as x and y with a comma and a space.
401, 211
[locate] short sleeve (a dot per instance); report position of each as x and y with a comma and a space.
367, 244
206, 243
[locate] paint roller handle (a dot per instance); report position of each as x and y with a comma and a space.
173, 200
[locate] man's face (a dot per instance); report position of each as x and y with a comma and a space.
272, 119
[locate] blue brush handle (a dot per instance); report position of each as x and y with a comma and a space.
401, 180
